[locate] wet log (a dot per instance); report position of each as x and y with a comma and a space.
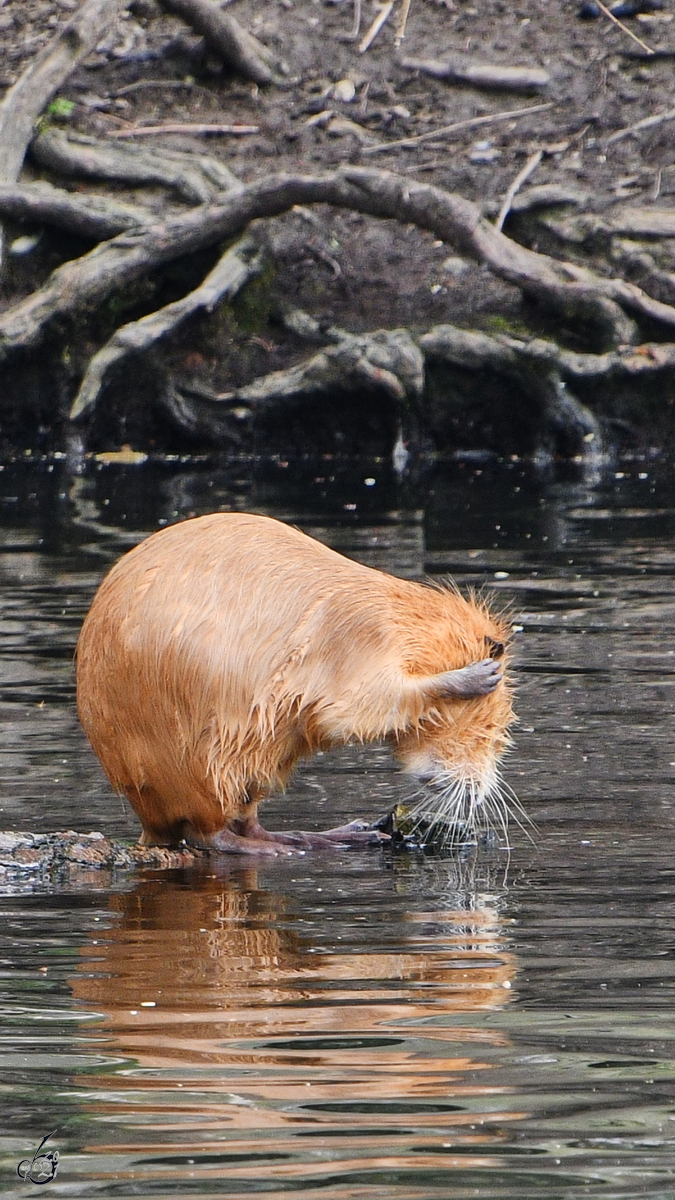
26, 856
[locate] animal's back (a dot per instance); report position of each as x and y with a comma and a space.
221, 650
204, 637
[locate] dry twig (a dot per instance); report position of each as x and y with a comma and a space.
461, 69
529, 168
603, 8
469, 123
182, 127
400, 32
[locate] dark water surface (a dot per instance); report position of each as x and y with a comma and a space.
358, 1026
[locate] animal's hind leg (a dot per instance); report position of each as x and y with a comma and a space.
357, 833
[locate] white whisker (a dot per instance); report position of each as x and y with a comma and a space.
456, 807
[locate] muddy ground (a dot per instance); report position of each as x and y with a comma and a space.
344, 268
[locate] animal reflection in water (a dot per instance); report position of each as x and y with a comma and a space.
261, 1028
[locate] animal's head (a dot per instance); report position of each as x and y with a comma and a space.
455, 746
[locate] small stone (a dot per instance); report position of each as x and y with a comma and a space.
344, 91
455, 266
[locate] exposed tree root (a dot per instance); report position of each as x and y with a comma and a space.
466, 348
388, 360
392, 361
24, 102
97, 217
575, 292
196, 177
239, 264
237, 48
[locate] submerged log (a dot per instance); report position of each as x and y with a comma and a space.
36, 856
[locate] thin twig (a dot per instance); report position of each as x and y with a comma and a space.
400, 32
141, 84
149, 130
376, 26
357, 21
529, 168
645, 123
470, 123
625, 28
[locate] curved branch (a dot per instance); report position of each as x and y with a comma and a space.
87, 281
239, 264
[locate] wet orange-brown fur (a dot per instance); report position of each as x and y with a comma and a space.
223, 649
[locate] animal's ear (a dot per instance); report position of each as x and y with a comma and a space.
495, 649
478, 679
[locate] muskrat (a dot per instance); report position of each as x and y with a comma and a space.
221, 650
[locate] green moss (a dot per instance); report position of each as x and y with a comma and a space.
496, 323
252, 307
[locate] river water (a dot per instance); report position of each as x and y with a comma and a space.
360, 1025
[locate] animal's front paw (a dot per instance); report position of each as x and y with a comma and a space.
478, 679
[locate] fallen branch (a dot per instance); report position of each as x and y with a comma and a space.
469, 123
97, 217
181, 127
523, 175
24, 102
461, 69
574, 291
547, 195
239, 264
238, 49
197, 178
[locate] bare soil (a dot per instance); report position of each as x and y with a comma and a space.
342, 267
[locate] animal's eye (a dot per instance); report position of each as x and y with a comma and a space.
495, 649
